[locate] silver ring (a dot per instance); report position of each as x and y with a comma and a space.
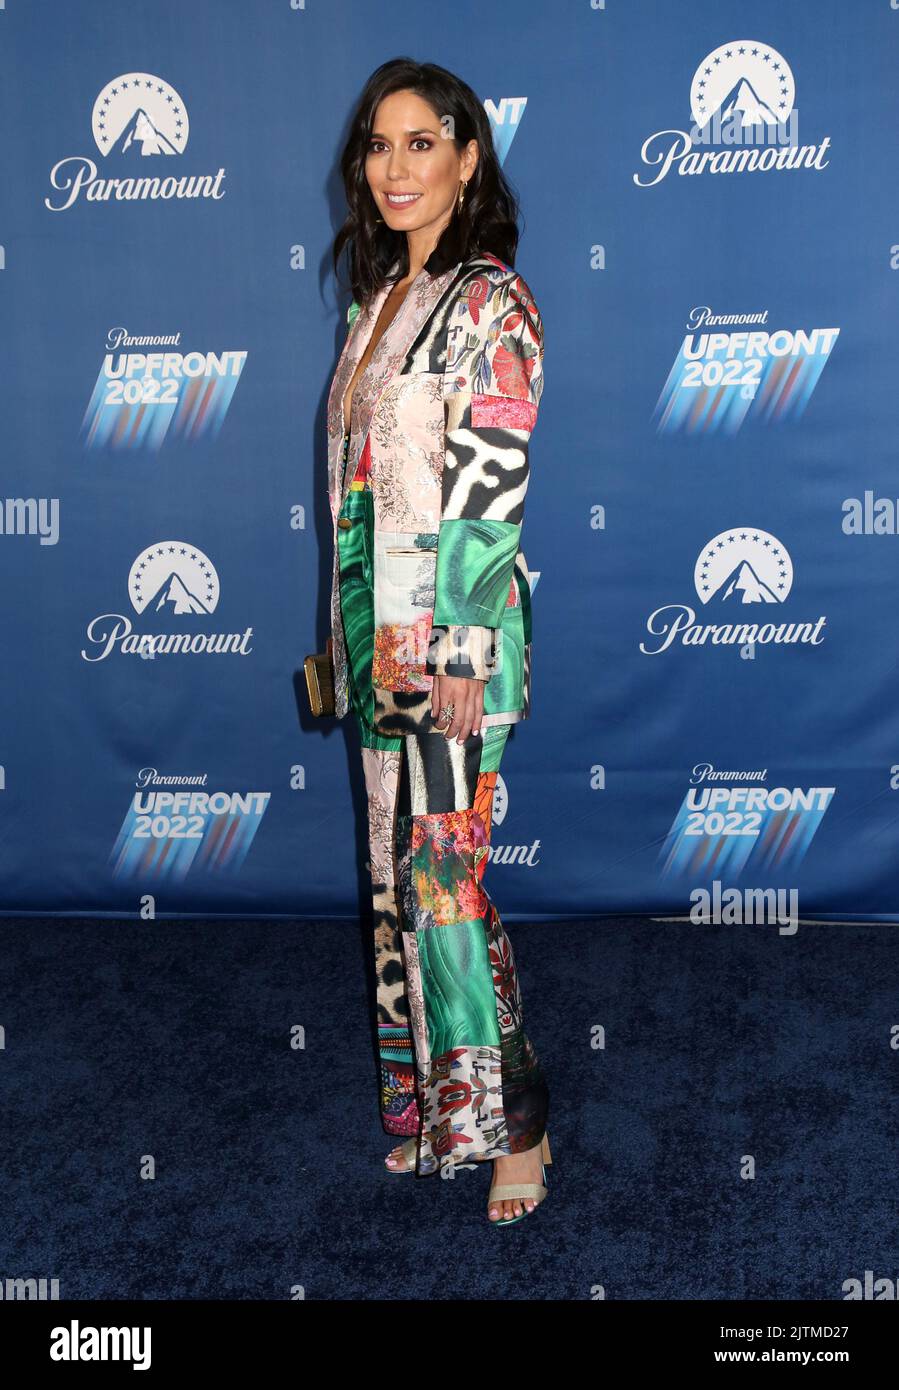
447, 714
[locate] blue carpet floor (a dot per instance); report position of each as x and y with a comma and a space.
170, 1042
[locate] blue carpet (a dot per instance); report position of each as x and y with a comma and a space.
172, 1040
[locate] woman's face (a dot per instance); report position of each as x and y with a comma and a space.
413, 167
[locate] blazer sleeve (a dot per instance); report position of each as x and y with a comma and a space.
492, 386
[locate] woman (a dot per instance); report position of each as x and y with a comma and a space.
429, 416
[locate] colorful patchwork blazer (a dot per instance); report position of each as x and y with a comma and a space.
441, 420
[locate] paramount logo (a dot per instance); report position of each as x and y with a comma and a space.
736, 569
178, 581
136, 117
742, 94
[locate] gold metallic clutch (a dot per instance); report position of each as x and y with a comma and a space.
319, 669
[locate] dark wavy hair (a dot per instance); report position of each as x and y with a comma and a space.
489, 217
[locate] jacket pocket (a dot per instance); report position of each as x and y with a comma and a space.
412, 571
406, 562
405, 576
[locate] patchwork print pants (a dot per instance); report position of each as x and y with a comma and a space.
457, 1068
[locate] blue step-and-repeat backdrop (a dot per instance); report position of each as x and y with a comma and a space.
711, 230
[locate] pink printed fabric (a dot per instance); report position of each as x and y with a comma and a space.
499, 412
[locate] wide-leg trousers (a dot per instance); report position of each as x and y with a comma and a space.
456, 1066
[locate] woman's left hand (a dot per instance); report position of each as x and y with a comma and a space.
466, 695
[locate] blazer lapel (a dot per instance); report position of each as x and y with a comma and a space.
421, 298
355, 344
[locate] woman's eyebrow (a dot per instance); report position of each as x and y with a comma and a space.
376, 134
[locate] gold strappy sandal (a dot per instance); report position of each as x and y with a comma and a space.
527, 1191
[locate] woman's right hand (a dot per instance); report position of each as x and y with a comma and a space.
466, 695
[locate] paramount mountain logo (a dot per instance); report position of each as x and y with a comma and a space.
735, 570
728, 568
177, 580
176, 576
173, 593
742, 95
135, 117
744, 582
744, 101
141, 131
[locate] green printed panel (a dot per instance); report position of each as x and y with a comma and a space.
505, 688
457, 982
475, 560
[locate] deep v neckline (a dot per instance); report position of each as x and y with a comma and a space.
346, 404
